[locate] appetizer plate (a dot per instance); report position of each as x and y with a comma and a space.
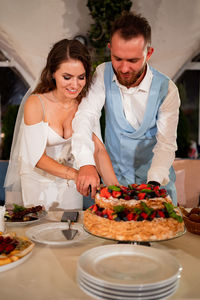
51, 234
41, 215
15, 263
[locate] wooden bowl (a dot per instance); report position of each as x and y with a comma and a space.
193, 227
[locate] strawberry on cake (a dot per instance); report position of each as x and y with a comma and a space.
133, 213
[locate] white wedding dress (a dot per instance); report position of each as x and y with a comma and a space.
29, 185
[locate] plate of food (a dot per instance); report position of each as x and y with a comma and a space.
18, 215
14, 250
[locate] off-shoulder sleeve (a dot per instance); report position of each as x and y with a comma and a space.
33, 144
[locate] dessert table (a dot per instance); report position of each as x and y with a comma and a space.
50, 271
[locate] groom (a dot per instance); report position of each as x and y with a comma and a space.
142, 108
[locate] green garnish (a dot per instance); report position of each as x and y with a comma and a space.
137, 211
18, 208
130, 187
145, 191
170, 209
114, 188
147, 209
118, 209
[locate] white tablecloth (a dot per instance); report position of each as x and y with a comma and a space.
50, 272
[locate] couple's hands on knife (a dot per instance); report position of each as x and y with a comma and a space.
87, 180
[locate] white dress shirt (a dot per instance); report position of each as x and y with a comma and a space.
134, 104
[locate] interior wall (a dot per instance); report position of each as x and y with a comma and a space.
29, 28
175, 31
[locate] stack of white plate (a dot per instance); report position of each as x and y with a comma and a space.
128, 272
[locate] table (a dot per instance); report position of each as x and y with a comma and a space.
50, 272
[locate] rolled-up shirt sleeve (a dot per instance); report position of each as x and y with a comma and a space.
164, 150
86, 121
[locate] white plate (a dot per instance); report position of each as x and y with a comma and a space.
51, 233
15, 263
129, 288
103, 295
41, 215
128, 293
129, 266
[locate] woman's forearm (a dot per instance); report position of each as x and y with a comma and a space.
53, 167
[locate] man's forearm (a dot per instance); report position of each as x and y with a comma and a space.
86, 121
82, 143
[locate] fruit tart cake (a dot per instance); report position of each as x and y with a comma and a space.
133, 213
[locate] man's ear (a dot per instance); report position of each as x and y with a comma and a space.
150, 51
109, 45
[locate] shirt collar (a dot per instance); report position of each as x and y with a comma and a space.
144, 84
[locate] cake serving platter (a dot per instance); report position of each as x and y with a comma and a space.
143, 242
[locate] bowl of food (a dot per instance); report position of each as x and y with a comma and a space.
192, 219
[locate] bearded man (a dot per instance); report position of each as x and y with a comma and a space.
141, 107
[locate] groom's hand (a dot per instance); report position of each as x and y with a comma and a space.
87, 180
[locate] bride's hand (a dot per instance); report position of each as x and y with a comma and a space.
87, 180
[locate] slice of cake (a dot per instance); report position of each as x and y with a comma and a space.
133, 213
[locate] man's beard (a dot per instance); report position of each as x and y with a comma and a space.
134, 76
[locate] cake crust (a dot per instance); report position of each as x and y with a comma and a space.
155, 230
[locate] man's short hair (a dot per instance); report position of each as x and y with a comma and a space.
130, 25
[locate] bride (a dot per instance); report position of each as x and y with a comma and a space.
42, 170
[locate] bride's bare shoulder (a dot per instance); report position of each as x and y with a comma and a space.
33, 100
33, 111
